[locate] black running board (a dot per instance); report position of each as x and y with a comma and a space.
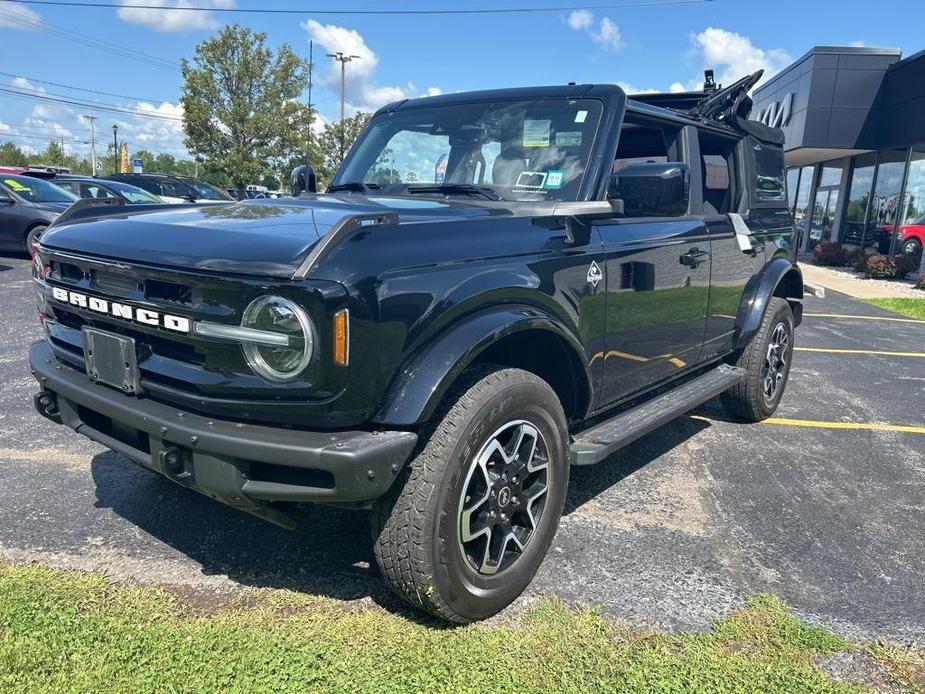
597, 443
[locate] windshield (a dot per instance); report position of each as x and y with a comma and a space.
205, 191
134, 195
514, 150
36, 190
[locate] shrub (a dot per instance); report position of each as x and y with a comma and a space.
906, 264
880, 267
858, 259
830, 254
920, 282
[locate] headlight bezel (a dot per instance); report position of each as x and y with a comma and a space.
253, 351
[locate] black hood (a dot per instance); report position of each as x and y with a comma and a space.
253, 237
56, 207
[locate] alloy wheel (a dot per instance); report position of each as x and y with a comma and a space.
503, 497
775, 363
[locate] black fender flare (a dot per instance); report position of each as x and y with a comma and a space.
780, 277
425, 377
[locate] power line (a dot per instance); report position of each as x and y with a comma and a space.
89, 41
101, 106
81, 89
456, 11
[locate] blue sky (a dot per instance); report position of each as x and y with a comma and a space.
655, 47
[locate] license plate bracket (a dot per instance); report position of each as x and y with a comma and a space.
111, 359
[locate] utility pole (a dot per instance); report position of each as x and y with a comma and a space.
311, 75
115, 148
90, 117
343, 60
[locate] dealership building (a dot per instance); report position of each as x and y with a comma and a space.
854, 122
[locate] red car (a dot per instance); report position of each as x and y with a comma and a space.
912, 237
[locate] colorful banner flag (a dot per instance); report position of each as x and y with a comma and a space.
123, 160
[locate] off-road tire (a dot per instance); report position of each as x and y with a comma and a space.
416, 526
912, 247
33, 236
747, 400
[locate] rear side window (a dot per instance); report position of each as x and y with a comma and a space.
769, 167
146, 184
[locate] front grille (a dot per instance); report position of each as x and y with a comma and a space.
158, 290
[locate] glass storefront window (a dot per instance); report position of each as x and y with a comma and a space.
831, 174
801, 206
911, 232
862, 178
885, 204
793, 177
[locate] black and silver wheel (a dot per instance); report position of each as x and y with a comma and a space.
35, 233
464, 532
766, 360
912, 247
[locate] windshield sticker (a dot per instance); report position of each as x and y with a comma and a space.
15, 185
554, 180
531, 179
571, 138
536, 133
581, 116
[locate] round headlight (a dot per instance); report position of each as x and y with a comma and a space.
286, 325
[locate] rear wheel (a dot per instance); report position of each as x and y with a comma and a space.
766, 361
33, 236
465, 531
912, 247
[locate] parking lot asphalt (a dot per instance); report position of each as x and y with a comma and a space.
823, 506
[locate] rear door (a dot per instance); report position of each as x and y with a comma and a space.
657, 276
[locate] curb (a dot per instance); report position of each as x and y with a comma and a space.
815, 290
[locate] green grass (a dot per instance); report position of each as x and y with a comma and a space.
65, 631
909, 307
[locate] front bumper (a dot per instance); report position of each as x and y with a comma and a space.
242, 465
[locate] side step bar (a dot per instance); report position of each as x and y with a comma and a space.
597, 443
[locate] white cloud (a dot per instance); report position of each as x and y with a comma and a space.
677, 87
173, 19
859, 44
734, 56
433, 91
13, 15
605, 34
580, 20
362, 92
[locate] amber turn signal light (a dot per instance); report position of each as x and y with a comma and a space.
341, 337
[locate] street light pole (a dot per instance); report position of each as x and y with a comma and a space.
343, 60
115, 148
90, 117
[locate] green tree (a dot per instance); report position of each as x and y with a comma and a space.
12, 155
328, 154
239, 101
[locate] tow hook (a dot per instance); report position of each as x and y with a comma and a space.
46, 403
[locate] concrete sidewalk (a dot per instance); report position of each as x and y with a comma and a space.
845, 282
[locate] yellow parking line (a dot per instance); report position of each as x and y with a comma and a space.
814, 424
860, 351
845, 315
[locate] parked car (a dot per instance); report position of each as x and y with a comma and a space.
88, 187
27, 206
536, 278
175, 189
911, 237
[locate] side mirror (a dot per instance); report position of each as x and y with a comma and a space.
652, 189
6, 199
304, 180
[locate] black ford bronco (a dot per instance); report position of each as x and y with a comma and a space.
496, 286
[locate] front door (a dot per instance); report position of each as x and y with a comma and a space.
822, 226
658, 283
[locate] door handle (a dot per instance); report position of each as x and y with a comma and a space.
694, 257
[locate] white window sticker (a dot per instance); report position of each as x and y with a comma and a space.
581, 116
743, 233
568, 139
531, 179
536, 133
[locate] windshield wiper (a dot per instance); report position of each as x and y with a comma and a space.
355, 186
457, 188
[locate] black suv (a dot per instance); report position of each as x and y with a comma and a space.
497, 286
174, 188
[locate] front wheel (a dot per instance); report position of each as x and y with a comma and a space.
466, 530
766, 361
912, 247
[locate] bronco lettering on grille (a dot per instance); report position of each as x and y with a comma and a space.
127, 311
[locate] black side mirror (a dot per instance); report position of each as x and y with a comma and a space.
659, 189
304, 180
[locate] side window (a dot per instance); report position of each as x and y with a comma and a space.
147, 184
89, 190
69, 186
717, 158
173, 190
646, 179
769, 166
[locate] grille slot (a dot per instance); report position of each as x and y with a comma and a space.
168, 291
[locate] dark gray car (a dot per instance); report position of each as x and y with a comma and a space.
27, 206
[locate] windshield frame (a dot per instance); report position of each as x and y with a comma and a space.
601, 120
36, 184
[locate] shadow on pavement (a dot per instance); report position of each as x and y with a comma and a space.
330, 553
